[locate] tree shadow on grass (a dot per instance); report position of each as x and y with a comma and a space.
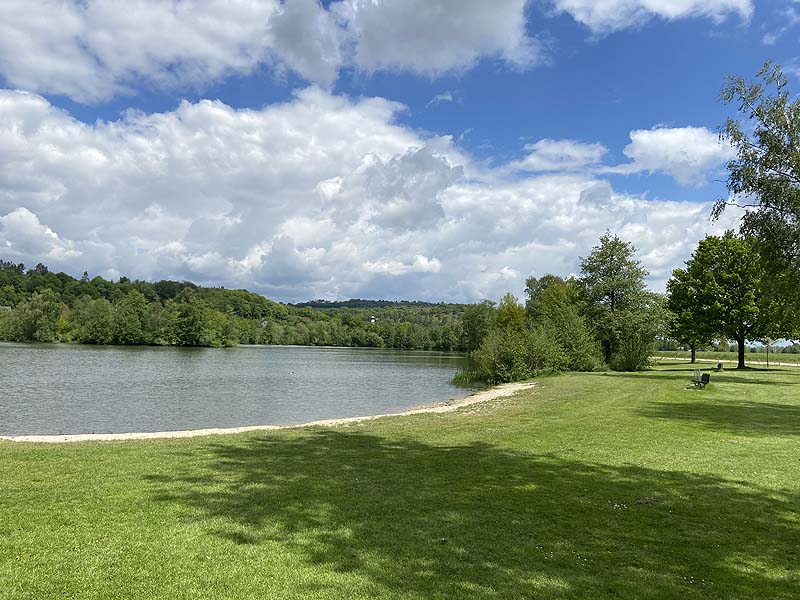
477, 521
687, 369
737, 417
721, 377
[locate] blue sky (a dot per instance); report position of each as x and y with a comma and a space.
428, 149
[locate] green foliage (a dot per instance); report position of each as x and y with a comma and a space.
553, 332
513, 355
130, 320
159, 313
623, 313
96, 322
221, 329
8, 296
188, 323
765, 177
722, 286
35, 319
634, 334
569, 330
611, 278
686, 324
476, 321
543, 291
510, 314
554, 303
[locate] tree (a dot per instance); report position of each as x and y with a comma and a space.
476, 321
554, 304
36, 319
8, 296
188, 323
635, 330
625, 316
610, 276
130, 316
765, 177
686, 325
723, 283
535, 290
516, 354
221, 329
96, 322
510, 314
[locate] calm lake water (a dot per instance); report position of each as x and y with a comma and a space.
51, 389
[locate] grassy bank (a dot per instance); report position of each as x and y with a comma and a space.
749, 357
590, 486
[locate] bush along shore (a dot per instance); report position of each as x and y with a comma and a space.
604, 319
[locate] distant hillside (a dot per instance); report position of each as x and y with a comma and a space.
359, 303
96, 310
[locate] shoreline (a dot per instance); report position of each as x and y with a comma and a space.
500, 391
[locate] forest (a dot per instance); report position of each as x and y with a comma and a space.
37, 305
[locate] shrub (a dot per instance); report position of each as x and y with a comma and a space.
635, 340
509, 355
568, 328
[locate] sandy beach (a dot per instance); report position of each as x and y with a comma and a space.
500, 391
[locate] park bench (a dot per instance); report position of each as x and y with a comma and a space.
699, 380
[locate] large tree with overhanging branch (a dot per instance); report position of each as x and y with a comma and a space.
764, 178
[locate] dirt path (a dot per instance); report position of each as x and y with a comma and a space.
500, 391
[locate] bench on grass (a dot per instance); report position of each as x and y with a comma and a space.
699, 380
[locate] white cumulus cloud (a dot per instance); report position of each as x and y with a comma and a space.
436, 36
22, 234
320, 196
420, 264
559, 155
93, 50
687, 154
606, 16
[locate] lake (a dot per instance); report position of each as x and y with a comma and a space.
60, 388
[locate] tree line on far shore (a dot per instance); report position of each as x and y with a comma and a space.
37, 305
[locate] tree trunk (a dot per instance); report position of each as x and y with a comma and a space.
607, 351
694, 352
740, 344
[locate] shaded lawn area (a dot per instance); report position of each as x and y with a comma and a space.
756, 357
591, 486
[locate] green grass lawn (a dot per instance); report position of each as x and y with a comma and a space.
591, 486
756, 357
